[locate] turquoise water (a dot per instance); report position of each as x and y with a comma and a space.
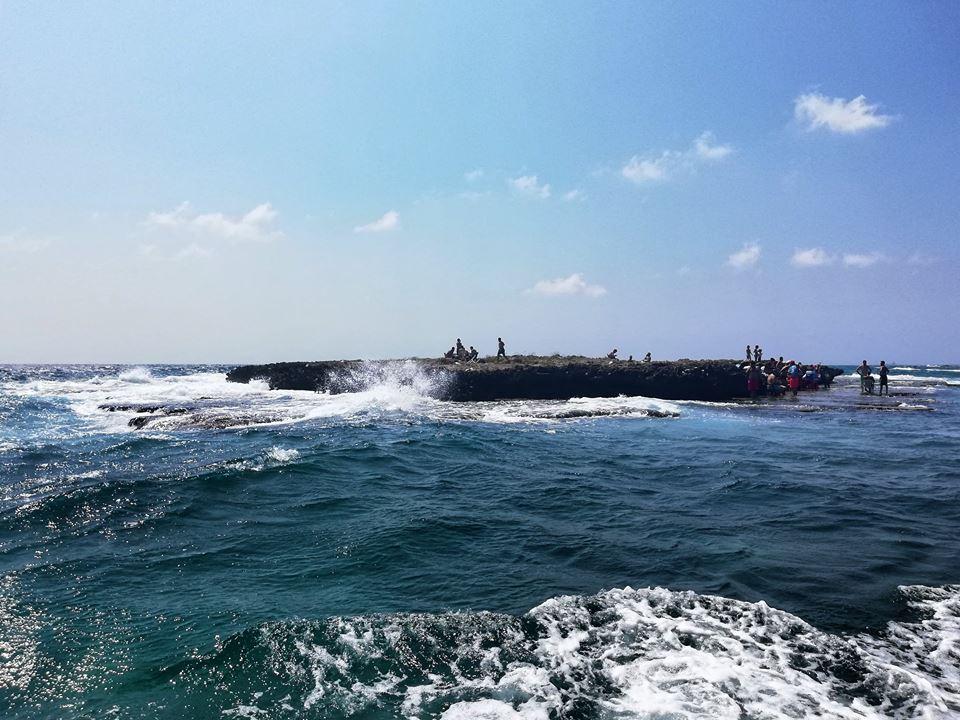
382, 554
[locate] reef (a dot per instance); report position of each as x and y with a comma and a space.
516, 377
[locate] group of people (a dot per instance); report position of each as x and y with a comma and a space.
612, 355
776, 376
459, 352
867, 381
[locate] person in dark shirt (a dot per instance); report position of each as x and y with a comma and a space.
883, 370
501, 348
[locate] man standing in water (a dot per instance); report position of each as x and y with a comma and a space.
884, 371
864, 372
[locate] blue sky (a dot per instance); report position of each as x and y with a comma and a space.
232, 182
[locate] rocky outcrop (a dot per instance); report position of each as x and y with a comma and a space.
527, 377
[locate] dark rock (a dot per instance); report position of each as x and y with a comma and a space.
516, 378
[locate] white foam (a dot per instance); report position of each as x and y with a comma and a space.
649, 653
923, 379
283, 455
207, 399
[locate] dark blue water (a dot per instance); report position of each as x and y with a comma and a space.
265, 554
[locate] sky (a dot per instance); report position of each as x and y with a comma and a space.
251, 182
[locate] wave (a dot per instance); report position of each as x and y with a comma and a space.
136, 375
649, 653
929, 368
135, 399
924, 379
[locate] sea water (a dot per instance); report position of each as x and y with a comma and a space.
381, 554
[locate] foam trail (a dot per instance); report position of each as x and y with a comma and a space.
649, 653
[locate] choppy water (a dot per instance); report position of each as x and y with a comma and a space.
263, 554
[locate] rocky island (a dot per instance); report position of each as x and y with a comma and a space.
527, 377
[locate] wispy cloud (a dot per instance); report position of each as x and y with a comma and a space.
573, 195
921, 259
643, 170
861, 260
811, 257
19, 242
571, 285
656, 167
529, 186
390, 220
473, 195
706, 149
192, 252
746, 257
254, 226
473, 175
837, 115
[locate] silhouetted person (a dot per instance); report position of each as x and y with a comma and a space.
883, 370
612, 355
473, 354
461, 350
863, 371
501, 348
749, 353
450, 353
647, 358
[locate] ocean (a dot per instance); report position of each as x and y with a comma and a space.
380, 554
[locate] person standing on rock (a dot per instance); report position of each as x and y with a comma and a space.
864, 372
749, 354
793, 377
883, 370
461, 350
501, 348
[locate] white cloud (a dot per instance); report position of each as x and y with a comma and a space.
390, 220
17, 242
838, 115
530, 186
642, 170
811, 257
573, 195
473, 175
746, 257
861, 260
707, 151
571, 285
253, 226
652, 168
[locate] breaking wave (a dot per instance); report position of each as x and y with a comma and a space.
137, 399
650, 653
